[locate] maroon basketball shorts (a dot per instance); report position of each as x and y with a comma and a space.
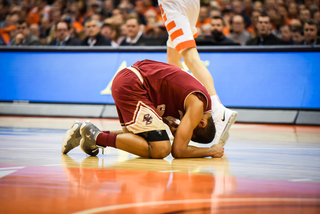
136, 112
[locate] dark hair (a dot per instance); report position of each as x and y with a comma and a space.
283, 25
283, 5
109, 25
206, 134
298, 29
312, 22
218, 17
22, 21
68, 24
91, 19
264, 14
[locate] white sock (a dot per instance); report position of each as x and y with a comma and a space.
216, 103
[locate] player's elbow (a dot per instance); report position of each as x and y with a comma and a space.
177, 153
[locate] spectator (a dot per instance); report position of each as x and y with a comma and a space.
293, 10
264, 35
304, 15
117, 18
224, 4
205, 30
35, 30
203, 17
70, 18
270, 4
297, 35
134, 34
226, 17
257, 5
247, 7
216, 32
286, 34
110, 32
122, 34
2, 42
216, 12
238, 10
295, 23
239, 34
8, 28
55, 18
316, 16
282, 9
44, 30
107, 8
64, 37
310, 30
254, 19
24, 37
94, 37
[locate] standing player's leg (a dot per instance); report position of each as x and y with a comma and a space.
180, 20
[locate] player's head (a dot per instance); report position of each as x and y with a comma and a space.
204, 133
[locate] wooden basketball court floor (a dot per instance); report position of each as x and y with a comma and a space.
265, 169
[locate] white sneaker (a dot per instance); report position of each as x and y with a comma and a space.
223, 120
71, 138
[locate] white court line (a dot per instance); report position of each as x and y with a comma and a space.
5, 173
16, 167
29, 148
266, 148
301, 179
170, 171
152, 203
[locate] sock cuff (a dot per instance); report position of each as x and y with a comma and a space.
107, 139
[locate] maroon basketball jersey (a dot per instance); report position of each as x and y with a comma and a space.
168, 86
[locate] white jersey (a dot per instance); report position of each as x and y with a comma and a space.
180, 17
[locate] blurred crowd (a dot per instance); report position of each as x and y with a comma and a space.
139, 22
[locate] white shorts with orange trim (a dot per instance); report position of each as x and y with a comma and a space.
180, 17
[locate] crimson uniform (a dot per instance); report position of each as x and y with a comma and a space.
149, 90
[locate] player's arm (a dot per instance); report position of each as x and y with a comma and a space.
191, 119
173, 126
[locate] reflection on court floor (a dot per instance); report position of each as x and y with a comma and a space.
266, 169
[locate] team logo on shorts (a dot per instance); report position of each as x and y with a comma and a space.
147, 118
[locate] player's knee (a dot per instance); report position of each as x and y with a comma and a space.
160, 149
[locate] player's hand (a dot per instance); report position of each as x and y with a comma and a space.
173, 127
19, 38
217, 151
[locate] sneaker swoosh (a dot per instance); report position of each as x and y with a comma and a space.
224, 116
